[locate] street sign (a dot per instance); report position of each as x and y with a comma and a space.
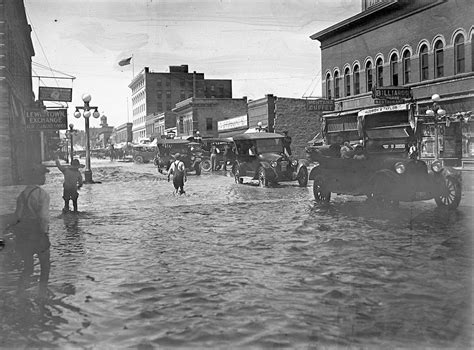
320, 104
391, 94
47, 93
50, 119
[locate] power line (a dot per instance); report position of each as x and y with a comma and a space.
54, 70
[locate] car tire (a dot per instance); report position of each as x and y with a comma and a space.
321, 194
452, 197
138, 159
197, 167
303, 177
206, 165
262, 178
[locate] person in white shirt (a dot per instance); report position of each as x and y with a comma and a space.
178, 169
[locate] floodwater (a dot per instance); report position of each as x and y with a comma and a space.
238, 266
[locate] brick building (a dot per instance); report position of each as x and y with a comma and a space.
424, 45
202, 114
17, 148
157, 92
164, 122
279, 114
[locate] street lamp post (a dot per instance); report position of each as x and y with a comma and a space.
69, 136
436, 112
86, 114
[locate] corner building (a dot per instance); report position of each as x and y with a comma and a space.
425, 45
158, 92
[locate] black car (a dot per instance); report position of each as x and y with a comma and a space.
190, 153
260, 156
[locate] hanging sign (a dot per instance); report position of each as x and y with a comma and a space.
47, 93
50, 119
391, 94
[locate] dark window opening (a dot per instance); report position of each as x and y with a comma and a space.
439, 59
424, 66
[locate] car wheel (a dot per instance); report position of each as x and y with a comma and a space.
451, 195
321, 195
262, 178
138, 159
303, 177
197, 167
206, 165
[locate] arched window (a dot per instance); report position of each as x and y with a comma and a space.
369, 77
356, 79
379, 70
394, 69
336, 84
406, 67
328, 86
459, 54
424, 63
439, 59
347, 81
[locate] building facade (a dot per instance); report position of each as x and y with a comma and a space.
17, 147
423, 45
165, 122
157, 92
202, 114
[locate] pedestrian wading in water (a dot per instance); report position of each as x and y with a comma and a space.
178, 170
72, 182
30, 225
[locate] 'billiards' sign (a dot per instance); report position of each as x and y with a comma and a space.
49, 119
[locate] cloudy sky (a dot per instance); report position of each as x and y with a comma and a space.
262, 45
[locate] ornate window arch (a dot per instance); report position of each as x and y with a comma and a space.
406, 64
394, 68
337, 88
328, 85
356, 78
424, 64
369, 78
438, 51
379, 71
347, 80
459, 54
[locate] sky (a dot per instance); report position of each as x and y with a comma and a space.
262, 45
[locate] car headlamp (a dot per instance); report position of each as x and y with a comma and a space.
436, 166
273, 164
400, 168
294, 162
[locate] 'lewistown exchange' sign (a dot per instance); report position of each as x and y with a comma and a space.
50, 119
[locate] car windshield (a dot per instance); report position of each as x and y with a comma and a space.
269, 146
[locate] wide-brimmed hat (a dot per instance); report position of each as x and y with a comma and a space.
177, 156
76, 164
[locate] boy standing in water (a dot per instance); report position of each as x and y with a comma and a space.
178, 169
72, 182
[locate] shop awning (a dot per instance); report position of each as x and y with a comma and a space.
387, 133
342, 113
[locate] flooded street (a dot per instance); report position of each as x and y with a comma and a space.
229, 266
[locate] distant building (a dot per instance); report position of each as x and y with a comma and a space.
122, 133
202, 114
426, 46
233, 126
164, 123
157, 92
280, 114
17, 147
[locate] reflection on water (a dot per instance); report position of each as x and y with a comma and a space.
240, 266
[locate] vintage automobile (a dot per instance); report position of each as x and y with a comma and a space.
190, 154
387, 173
142, 153
261, 157
221, 144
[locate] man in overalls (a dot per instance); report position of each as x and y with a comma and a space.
178, 169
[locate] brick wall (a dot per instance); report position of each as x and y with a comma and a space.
302, 125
